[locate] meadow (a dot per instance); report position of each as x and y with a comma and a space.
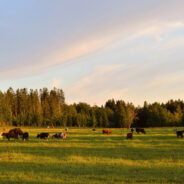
88, 157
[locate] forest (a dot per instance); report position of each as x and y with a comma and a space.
40, 108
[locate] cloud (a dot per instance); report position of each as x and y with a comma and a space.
93, 87
143, 81
152, 19
158, 29
74, 51
165, 80
135, 74
62, 55
174, 43
53, 58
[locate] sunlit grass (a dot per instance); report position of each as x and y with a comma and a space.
91, 157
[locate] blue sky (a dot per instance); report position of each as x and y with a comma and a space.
94, 50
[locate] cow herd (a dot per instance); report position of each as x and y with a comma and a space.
60, 135
17, 132
141, 130
129, 135
138, 130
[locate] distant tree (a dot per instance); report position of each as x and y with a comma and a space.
111, 104
48, 107
130, 115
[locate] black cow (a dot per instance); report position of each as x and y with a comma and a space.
138, 130
179, 133
25, 136
43, 136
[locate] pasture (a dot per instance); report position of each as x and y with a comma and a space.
88, 157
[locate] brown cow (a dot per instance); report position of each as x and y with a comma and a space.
13, 133
16, 131
105, 131
10, 135
64, 136
129, 135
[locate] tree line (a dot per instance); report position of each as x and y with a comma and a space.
48, 108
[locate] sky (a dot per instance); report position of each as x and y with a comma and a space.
94, 50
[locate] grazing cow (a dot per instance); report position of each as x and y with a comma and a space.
180, 133
57, 135
60, 135
129, 135
10, 135
16, 131
94, 129
138, 130
64, 136
43, 136
25, 136
105, 131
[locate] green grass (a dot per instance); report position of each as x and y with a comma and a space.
88, 157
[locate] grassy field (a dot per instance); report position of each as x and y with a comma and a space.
88, 157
